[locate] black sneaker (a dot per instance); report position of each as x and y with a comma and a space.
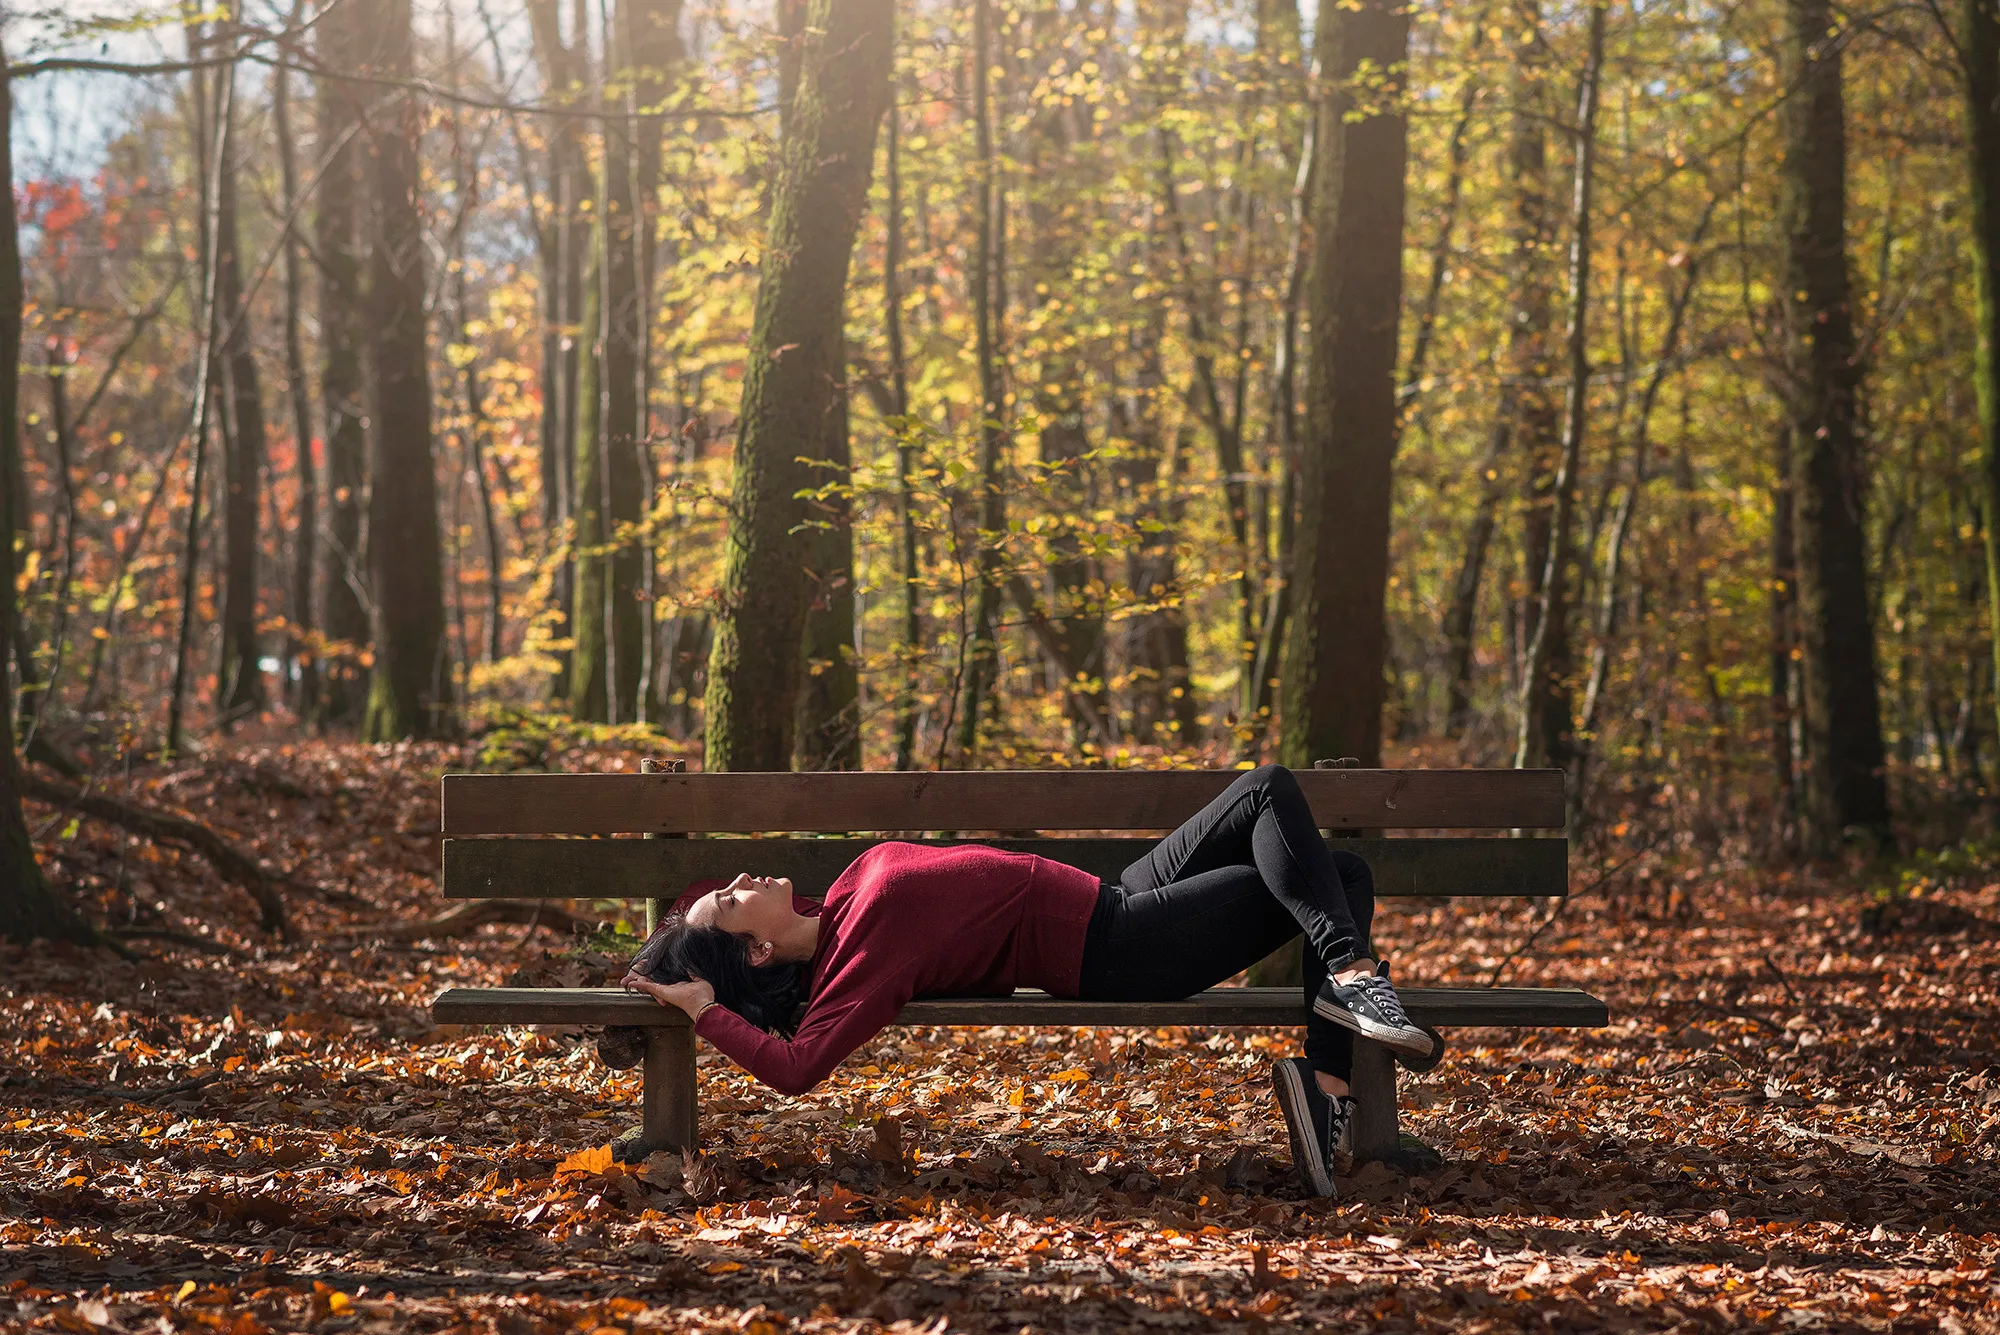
1370, 1007
1317, 1122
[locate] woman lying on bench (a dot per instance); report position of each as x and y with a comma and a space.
787, 989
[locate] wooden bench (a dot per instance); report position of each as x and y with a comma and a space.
499, 843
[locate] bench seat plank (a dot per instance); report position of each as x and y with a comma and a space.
1438, 1006
1353, 799
513, 868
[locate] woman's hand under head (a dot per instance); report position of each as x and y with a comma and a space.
759, 909
690, 996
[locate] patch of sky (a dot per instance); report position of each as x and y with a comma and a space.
71, 116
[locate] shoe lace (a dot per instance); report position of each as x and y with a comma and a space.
1386, 1000
1339, 1112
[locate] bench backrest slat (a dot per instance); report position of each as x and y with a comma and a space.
954, 800
515, 868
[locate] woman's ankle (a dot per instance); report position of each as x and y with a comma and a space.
1359, 967
1331, 1085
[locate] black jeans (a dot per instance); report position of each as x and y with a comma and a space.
1243, 876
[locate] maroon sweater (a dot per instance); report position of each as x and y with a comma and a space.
906, 921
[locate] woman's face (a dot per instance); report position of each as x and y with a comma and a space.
757, 907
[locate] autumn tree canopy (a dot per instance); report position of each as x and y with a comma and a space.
1452, 384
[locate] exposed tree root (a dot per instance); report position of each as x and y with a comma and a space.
42, 751
188, 939
469, 917
230, 862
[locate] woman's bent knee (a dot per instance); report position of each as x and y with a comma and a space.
1355, 873
1275, 778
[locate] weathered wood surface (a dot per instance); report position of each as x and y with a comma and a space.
530, 868
996, 800
669, 1105
1438, 1006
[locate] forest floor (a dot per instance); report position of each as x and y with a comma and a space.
1792, 1123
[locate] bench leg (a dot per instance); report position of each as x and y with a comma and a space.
667, 1106
1374, 1133
1375, 1136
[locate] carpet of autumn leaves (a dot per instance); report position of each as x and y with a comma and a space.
1793, 1123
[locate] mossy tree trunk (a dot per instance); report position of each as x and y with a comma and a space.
793, 387
410, 692
1844, 784
829, 725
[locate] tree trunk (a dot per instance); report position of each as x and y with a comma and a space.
209, 156
338, 238
1548, 712
1285, 449
589, 683
410, 692
1844, 784
624, 498
1333, 688
1457, 151
829, 729
563, 247
300, 658
1606, 626
1462, 613
58, 366
29, 906
988, 277
911, 638
652, 33
793, 386
1050, 189
1536, 419
1524, 420
1979, 49
609, 491
1156, 655
465, 187
241, 681
1784, 645
827, 735
1163, 708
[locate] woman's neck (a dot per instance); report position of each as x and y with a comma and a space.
800, 941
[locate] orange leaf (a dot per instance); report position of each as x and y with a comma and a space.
596, 1159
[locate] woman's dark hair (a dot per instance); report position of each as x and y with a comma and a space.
770, 996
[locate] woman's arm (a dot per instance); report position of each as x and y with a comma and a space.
827, 1036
